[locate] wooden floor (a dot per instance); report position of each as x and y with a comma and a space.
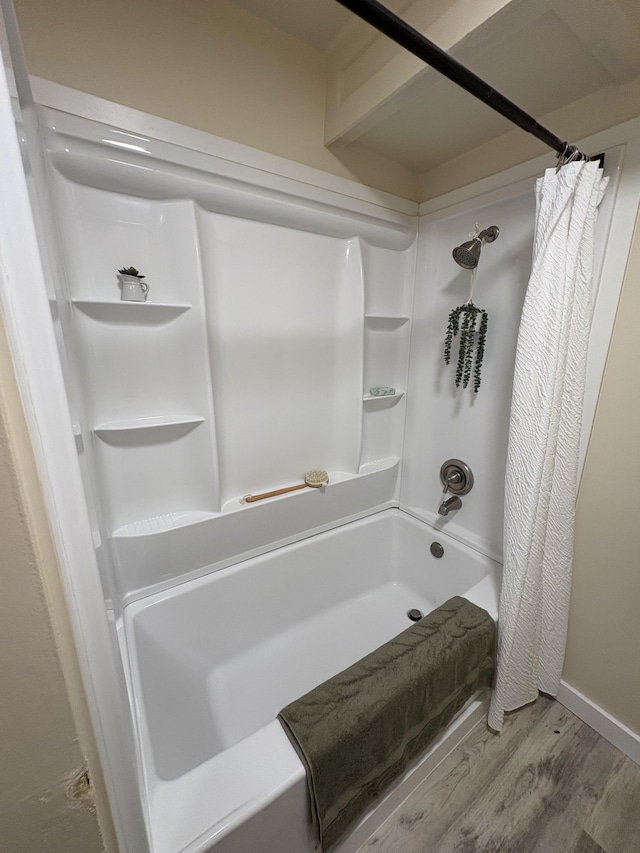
548, 784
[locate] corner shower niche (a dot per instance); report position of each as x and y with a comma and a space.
386, 345
268, 320
142, 366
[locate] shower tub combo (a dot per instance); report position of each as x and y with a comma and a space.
212, 661
281, 297
228, 610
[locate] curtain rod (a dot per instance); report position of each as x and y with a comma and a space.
391, 25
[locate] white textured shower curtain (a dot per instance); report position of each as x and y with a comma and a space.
544, 437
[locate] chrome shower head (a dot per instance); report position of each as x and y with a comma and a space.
467, 254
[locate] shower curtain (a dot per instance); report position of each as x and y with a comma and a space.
544, 436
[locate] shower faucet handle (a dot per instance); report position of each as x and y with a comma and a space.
452, 479
456, 477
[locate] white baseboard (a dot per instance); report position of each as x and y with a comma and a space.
613, 730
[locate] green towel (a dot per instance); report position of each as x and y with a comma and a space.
358, 731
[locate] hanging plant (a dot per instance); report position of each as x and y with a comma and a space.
463, 320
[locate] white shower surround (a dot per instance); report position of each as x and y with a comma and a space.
33, 343
269, 317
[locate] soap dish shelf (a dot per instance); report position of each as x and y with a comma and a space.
386, 321
162, 523
123, 311
380, 398
121, 432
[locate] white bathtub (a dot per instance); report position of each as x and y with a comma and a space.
211, 662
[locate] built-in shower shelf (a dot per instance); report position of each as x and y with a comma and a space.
133, 429
370, 399
122, 311
375, 465
180, 519
162, 523
386, 321
335, 477
161, 550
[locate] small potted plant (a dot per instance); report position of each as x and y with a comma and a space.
133, 288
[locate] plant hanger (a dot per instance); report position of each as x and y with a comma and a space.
469, 321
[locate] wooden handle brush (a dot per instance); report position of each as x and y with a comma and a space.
312, 479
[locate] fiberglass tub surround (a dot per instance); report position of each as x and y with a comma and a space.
274, 307
214, 661
269, 318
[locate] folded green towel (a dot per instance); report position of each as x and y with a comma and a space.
358, 731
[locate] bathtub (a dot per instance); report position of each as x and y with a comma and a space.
212, 661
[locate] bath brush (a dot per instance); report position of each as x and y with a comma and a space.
313, 479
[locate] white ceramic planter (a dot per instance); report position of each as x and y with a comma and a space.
133, 289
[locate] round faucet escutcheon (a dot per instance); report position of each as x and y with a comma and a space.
456, 477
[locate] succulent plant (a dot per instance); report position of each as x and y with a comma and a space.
470, 339
130, 271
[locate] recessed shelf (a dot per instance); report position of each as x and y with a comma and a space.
162, 523
374, 398
147, 423
386, 321
335, 477
376, 465
148, 538
138, 431
122, 311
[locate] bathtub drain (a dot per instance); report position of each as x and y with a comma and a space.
415, 615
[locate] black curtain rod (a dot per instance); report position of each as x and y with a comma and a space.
391, 25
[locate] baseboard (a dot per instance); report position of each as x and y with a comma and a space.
613, 730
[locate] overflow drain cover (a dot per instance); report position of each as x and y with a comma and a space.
415, 615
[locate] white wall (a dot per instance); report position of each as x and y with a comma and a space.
447, 422
273, 307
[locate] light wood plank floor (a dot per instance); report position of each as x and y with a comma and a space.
548, 784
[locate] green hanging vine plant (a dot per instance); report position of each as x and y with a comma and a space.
463, 320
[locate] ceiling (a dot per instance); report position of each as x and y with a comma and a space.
438, 121
314, 22
541, 54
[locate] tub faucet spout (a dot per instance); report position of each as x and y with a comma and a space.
449, 505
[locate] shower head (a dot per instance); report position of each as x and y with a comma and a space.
467, 254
